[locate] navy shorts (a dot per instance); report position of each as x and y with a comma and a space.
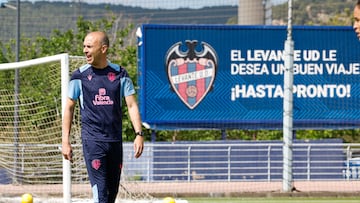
103, 162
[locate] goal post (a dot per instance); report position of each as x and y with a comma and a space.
33, 162
62, 81
64, 77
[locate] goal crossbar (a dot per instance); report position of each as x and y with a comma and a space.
31, 62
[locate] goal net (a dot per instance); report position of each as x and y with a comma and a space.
30, 133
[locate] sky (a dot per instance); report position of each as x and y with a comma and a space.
164, 4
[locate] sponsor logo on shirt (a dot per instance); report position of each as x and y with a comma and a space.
102, 98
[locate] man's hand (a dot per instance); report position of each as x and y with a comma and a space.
67, 151
138, 146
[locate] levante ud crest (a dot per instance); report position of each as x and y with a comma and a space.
191, 73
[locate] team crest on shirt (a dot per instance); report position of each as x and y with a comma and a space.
191, 72
111, 76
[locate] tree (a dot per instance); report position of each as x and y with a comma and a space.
71, 42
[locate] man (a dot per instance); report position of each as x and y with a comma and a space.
356, 25
100, 87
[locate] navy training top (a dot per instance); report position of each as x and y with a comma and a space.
100, 92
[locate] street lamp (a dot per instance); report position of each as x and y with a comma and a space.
4, 4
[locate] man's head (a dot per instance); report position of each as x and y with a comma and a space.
356, 16
95, 48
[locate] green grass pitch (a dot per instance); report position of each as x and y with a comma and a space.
276, 200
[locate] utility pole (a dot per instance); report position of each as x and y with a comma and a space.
288, 106
254, 12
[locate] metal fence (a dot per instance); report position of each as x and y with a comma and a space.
188, 162
248, 161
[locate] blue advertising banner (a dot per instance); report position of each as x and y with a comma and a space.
231, 77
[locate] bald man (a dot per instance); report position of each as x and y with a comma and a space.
100, 86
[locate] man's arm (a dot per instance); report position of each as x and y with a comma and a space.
66, 128
136, 122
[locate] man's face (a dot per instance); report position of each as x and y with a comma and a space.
356, 25
92, 49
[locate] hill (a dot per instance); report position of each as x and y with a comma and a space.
41, 18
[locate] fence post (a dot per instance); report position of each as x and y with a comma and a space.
348, 156
229, 163
149, 162
308, 154
269, 163
189, 162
